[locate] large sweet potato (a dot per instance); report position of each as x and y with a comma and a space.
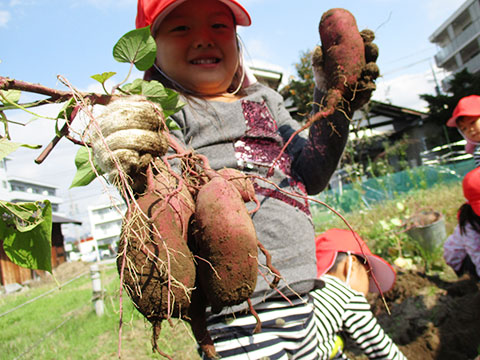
158, 267
226, 243
343, 54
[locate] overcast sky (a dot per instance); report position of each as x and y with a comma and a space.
74, 38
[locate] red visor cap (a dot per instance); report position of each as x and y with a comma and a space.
333, 241
149, 10
467, 106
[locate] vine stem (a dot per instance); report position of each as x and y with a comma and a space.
83, 99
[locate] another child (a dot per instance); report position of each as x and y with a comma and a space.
238, 123
466, 117
350, 271
462, 248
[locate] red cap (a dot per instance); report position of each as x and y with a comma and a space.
333, 241
149, 10
467, 106
471, 189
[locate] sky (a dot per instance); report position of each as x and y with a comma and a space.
41, 40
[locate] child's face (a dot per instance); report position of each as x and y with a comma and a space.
197, 46
470, 127
359, 278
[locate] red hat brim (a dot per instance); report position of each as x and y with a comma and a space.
150, 11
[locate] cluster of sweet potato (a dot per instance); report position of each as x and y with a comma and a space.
186, 245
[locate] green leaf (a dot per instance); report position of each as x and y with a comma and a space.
155, 91
134, 88
67, 109
136, 47
11, 95
172, 125
171, 104
168, 99
101, 78
85, 174
26, 231
7, 147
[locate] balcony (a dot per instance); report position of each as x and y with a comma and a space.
473, 67
470, 33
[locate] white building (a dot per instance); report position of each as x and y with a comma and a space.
15, 189
458, 39
106, 222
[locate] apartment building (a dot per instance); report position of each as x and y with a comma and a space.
458, 40
106, 222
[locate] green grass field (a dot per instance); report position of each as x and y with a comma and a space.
63, 325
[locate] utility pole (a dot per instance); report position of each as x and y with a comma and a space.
437, 87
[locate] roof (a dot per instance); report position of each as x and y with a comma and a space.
64, 220
450, 19
394, 110
30, 182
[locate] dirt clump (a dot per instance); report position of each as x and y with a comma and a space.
431, 318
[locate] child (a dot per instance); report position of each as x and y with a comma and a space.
350, 271
238, 123
462, 248
465, 117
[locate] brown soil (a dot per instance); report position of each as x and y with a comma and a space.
432, 318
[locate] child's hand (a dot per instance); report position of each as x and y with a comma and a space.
366, 83
127, 138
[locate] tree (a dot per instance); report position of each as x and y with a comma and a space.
300, 91
441, 106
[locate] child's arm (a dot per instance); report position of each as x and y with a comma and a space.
316, 158
454, 250
363, 328
471, 245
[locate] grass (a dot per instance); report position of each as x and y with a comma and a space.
63, 325
382, 225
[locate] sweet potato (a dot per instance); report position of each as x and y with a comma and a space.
343, 53
341, 59
226, 243
159, 271
241, 182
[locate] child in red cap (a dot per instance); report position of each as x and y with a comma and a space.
349, 271
466, 117
461, 250
240, 123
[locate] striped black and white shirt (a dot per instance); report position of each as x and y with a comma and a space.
476, 156
338, 308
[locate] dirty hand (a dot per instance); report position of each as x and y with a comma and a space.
126, 137
366, 82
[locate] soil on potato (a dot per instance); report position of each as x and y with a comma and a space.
431, 318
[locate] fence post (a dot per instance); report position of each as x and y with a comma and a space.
97, 289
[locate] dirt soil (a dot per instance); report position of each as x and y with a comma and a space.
431, 318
